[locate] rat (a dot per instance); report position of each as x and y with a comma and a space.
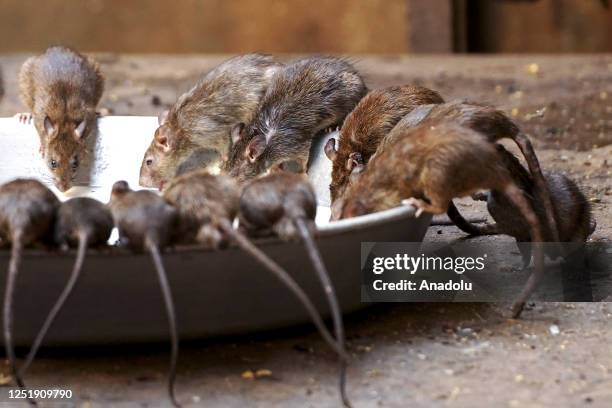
493, 125
195, 132
571, 208
81, 222
371, 120
146, 221
62, 88
428, 166
208, 205
27, 214
285, 204
304, 98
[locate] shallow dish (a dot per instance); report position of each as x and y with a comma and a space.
217, 293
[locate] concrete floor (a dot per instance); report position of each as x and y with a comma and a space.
416, 355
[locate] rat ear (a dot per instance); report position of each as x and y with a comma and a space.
162, 139
330, 149
161, 119
236, 132
79, 132
49, 126
355, 160
256, 148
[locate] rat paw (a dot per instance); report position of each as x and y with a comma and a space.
416, 203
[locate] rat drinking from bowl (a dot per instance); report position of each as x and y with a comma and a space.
146, 221
27, 213
81, 222
285, 204
305, 97
207, 205
195, 132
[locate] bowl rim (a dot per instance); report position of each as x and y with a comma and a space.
367, 220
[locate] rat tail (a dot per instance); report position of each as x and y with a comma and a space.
466, 226
518, 198
246, 245
543, 191
16, 250
57, 307
153, 248
332, 299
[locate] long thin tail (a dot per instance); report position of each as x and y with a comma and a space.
466, 226
332, 299
518, 198
16, 250
542, 189
284, 277
167, 293
59, 304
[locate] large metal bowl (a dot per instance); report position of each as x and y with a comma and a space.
225, 292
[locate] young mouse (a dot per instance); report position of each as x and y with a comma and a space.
195, 132
208, 204
62, 89
27, 213
146, 221
428, 166
570, 207
371, 120
81, 222
493, 125
285, 204
304, 98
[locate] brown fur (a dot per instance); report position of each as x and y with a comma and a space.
196, 130
285, 203
304, 98
202, 200
493, 125
62, 89
270, 204
27, 213
209, 204
571, 208
430, 165
147, 222
371, 120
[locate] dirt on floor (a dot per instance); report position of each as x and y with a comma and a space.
405, 355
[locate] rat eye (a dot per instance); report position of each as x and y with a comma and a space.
53, 164
149, 162
74, 163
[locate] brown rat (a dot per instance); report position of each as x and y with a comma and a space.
285, 204
371, 120
429, 166
62, 89
195, 132
27, 213
570, 207
201, 200
209, 204
81, 222
146, 221
304, 98
493, 125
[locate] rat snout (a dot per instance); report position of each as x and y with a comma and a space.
63, 185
